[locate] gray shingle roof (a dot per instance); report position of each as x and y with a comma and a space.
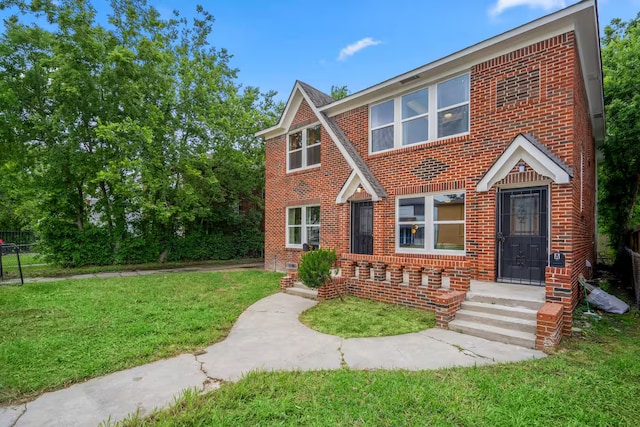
353, 153
319, 99
540, 146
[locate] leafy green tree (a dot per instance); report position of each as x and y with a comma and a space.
339, 92
620, 171
130, 139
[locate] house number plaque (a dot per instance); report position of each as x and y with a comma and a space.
556, 259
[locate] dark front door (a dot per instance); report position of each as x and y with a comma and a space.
362, 228
522, 235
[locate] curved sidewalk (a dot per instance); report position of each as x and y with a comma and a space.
267, 336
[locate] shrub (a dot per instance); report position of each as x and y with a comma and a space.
315, 267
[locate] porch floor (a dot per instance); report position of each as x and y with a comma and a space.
507, 291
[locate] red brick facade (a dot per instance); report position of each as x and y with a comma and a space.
537, 90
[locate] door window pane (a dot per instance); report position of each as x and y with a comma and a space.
415, 104
524, 214
414, 131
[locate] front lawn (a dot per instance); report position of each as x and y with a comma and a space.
56, 333
591, 381
356, 317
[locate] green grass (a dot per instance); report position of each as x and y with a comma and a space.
50, 270
355, 317
593, 380
56, 333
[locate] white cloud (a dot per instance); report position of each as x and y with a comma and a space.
502, 5
356, 47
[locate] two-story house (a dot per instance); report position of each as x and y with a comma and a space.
471, 175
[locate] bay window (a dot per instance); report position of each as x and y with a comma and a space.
303, 226
431, 223
437, 111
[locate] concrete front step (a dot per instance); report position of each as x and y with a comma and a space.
301, 285
533, 304
494, 333
301, 292
501, 310
500, 321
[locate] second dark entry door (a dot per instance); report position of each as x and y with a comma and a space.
522, 235
362, 228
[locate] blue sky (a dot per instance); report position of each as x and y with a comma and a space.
276, 42
358, 43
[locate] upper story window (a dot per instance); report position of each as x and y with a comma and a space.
438, 111
431, 223
303, 148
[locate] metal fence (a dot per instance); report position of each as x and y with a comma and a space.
635, 263
10, 264
24, 240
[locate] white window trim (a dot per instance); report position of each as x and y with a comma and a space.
304, 148
432, 115
429, 225
303, 226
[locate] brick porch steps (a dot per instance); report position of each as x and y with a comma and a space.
299, 289
500, 318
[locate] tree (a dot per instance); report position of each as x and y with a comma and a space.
339, 92
620, 171
132, 136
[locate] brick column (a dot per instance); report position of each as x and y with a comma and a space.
348, 268
435, 278
460, 279
415, 275
395, 271
364, 268
286, 282
549, 326
558, 289
379, 271
447, 303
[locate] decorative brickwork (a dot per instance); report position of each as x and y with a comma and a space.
521, 87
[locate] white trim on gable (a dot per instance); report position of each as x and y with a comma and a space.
351, 185
522, 149
366, 184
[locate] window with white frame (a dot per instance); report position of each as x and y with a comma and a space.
406, 120
431, 223
303, 148
303, 226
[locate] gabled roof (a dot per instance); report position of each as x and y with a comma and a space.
526, 147
319, 99
316, 99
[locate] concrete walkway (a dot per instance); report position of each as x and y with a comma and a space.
267, 336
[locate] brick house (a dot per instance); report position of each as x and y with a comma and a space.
467, 182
